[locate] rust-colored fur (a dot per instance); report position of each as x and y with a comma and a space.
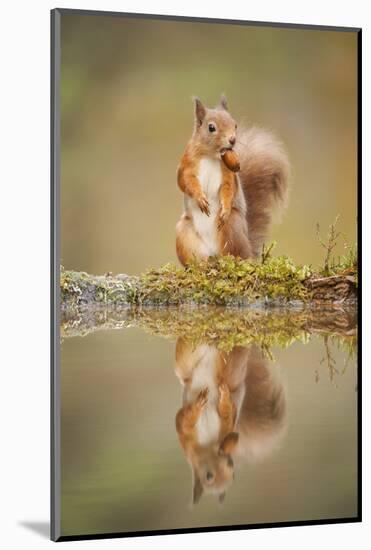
264, 177
233, 405
246, 201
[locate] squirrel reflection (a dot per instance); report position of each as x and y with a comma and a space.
234, 407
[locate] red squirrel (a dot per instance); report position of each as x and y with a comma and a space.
234, 406
228, 206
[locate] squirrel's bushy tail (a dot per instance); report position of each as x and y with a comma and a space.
264, 175
263, 418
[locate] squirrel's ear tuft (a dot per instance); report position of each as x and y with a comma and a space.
223, 102
200, 111
221, 497
229, 443
197, 489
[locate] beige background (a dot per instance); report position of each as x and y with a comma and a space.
127, 115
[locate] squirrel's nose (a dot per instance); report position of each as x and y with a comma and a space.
232, 140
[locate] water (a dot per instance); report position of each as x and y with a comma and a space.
123, 466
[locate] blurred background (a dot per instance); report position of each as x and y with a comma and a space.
127, 115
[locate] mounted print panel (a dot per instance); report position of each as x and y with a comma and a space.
205, 274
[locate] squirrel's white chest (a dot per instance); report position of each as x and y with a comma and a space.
210, 177
204, 376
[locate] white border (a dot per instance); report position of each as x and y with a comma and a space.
24, 220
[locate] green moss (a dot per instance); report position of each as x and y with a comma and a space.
225, 280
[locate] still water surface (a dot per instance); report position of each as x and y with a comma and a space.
126, 468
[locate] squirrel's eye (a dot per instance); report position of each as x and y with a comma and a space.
212, 128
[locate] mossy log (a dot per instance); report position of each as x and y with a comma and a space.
224, 281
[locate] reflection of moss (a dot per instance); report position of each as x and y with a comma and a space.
225, 328
219, 281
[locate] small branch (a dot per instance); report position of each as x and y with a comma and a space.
267, 251
330, 244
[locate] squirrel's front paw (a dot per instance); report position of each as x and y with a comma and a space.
202, 398
203, 205
224, 392
223, 217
